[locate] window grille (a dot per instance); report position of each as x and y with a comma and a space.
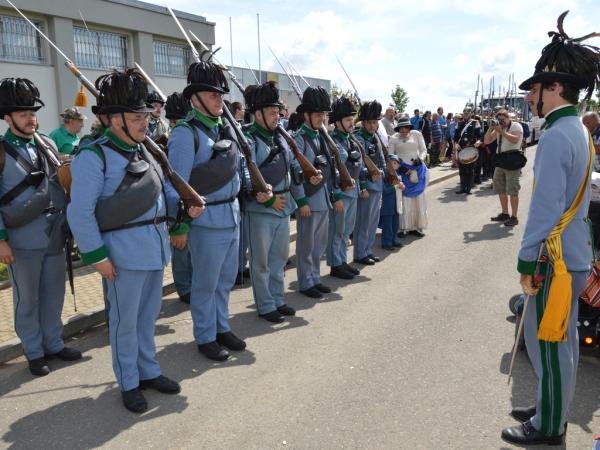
171, 59
99, 49
19, 41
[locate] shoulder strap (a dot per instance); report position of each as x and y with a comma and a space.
190, 127
2, 154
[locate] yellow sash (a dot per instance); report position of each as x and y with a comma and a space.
553, 327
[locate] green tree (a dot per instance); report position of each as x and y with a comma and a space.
337, 92
400, 98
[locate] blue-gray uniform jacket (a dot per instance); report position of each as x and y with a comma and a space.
184, 156
374, 151
32, 236
561, 161
307, 141
263, 143
355, 164
97, 172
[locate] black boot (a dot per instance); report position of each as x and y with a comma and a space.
351, 269
341, 272
161, 384
311, 292
66, 354
212, 350
525, 434
523, 413
273, 316
286, 310
322, 288
231, 341
39, 367
134, 400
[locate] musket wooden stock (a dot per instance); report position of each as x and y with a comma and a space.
371, 166
63, 169
308, 169
189, 196
346, 181
256, 178
392, 176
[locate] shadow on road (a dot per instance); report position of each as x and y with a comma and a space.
489, 232
71, 424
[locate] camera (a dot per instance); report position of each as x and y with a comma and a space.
495, 122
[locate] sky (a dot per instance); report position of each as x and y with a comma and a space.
434, 49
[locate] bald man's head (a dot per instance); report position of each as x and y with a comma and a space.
591, 120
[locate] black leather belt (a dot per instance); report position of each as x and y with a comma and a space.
283, 191
156, 221
221, 202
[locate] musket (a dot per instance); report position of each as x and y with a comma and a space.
189, 196
528, 298
308, 169
247, 63
258, 182
350, 80
392, 176
163, 139
346, 181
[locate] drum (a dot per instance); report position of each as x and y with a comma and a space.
468, 155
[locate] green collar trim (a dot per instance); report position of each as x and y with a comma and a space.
18, 141
364, 133
567, 111
313, 134
119, 143
342, 134
209, 122
260, 130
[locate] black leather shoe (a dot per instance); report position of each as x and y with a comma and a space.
214, 351
374, 258
322, 288
366, 261
351, 269
523, 413
39, 367
185, 298
502, 217
398, 245
340, 272
286, 310
273, 316
134, 400
66, 354
417, 233
312, 292
525, 434
161, 384
231, 341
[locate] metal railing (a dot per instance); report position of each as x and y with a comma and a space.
99, 49
18, 41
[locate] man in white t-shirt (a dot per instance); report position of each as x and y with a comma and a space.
509, 135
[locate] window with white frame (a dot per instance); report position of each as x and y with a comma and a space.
171, 59
99, 49
19, 41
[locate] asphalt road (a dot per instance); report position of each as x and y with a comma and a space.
411, 355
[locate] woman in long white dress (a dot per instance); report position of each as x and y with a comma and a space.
409, 145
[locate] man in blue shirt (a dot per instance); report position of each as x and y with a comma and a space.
416, 120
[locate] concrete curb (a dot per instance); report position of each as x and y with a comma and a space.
82, 321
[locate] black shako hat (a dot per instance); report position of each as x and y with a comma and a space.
18, 94
205, 76
370, 111
340, 108
567, 60
262, 96
122, 92
177, 106
314, 99
154, 97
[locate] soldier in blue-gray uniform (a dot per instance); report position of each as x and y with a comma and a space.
341, 225
268, 224
177, 108
203, 150
119, 218
314, 201
369, 202
557, 223
31, 239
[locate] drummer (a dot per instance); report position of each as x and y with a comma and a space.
467, 134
